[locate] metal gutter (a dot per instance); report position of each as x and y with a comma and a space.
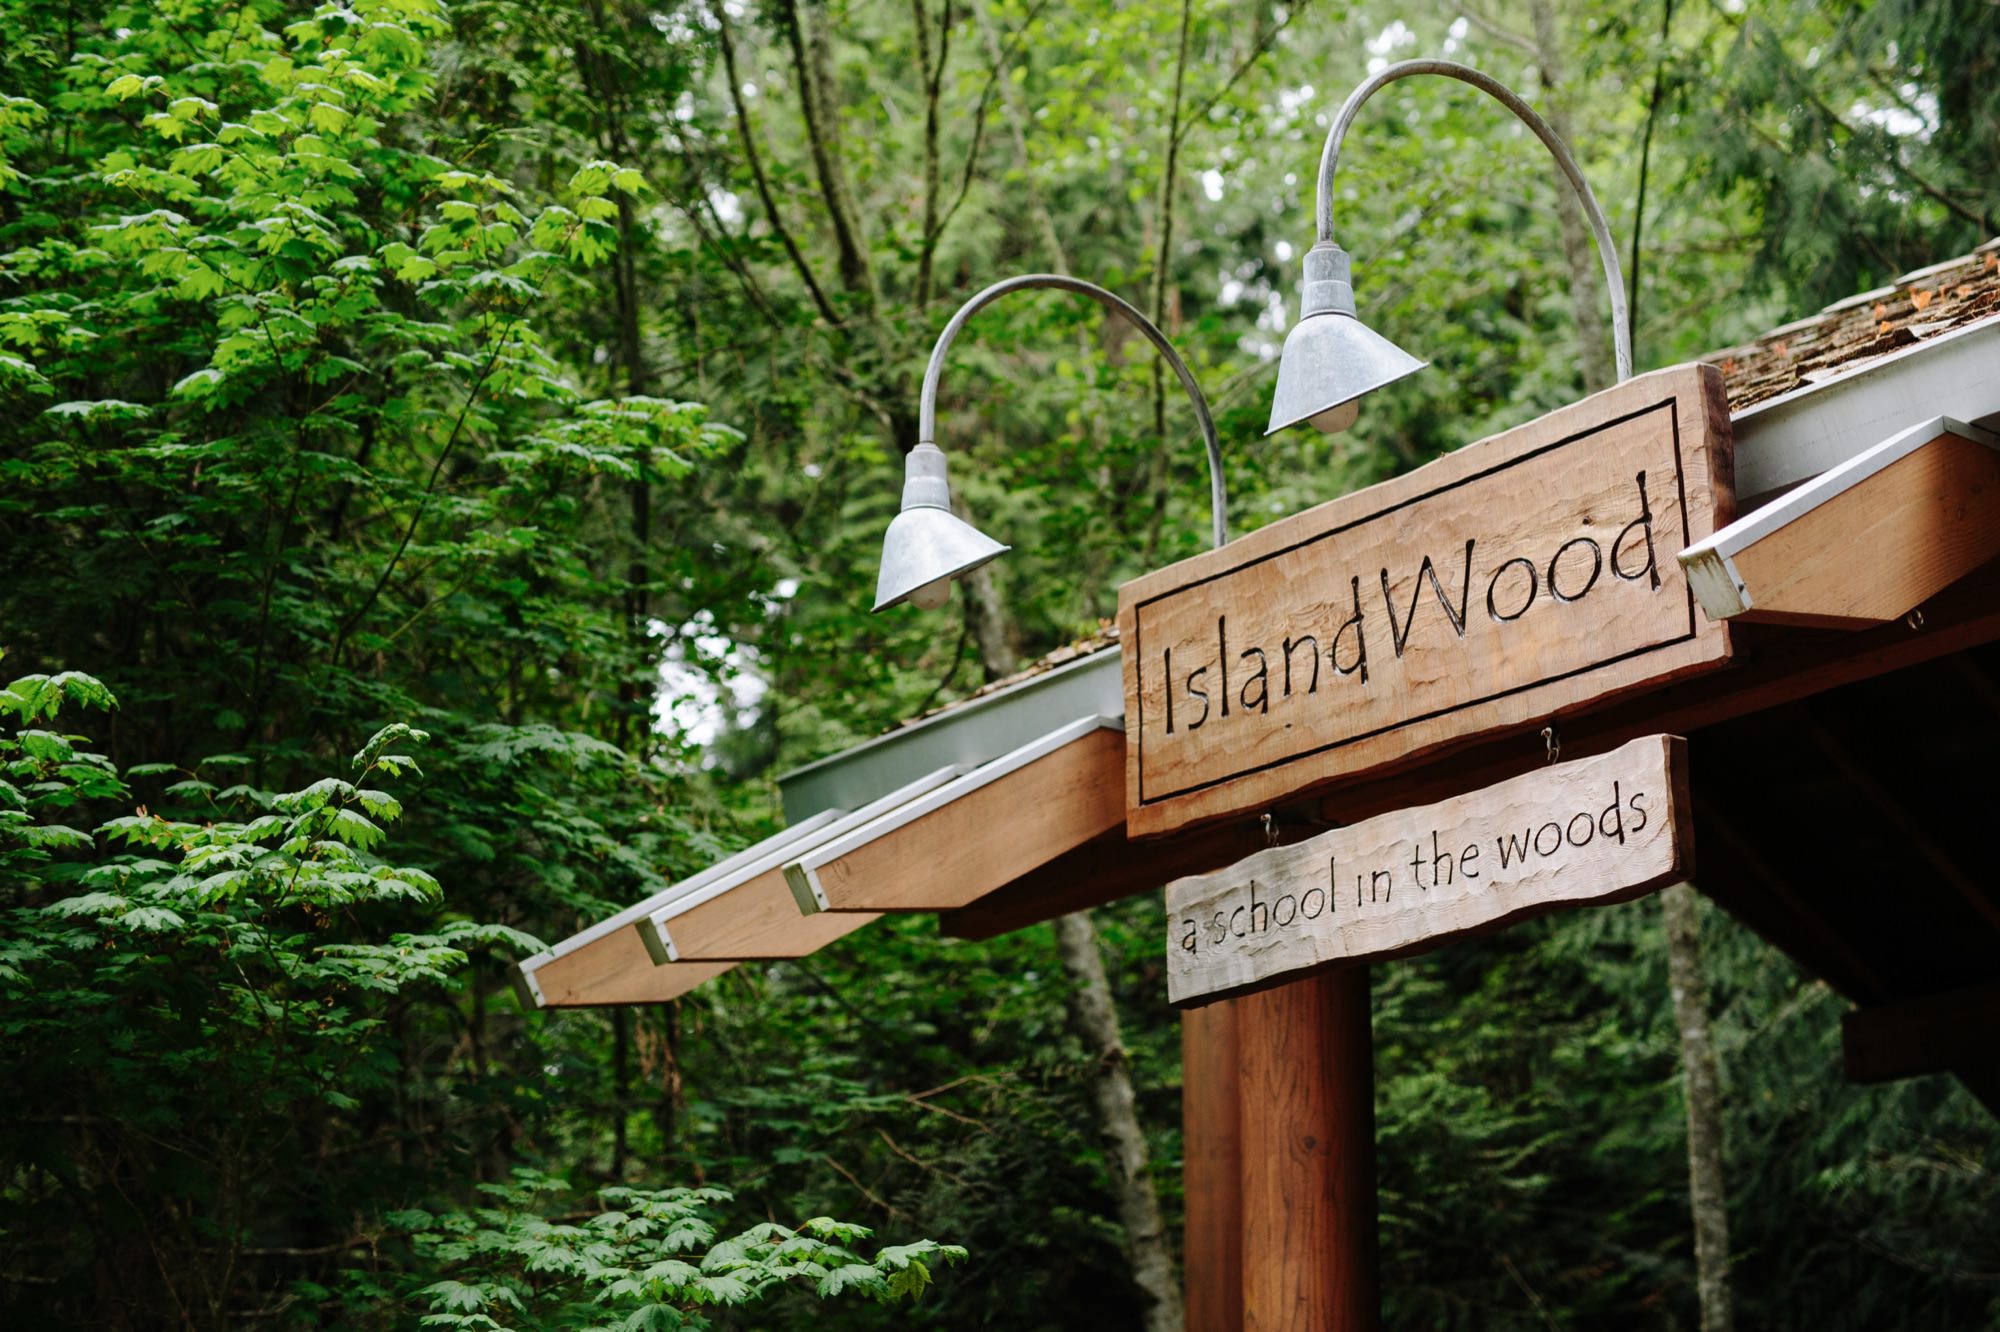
1794, 437
1710, 564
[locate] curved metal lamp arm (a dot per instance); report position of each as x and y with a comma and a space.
1621, 332
927, 403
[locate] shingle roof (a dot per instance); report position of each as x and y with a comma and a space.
1849, 333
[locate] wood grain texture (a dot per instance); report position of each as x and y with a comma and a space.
1212, 1168
1102, 870
1529, 574
1307, 1097
617, 969
755, 921
1869, 542
1602, 829
988, 837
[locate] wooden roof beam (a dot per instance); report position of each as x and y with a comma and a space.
1898, 817
1102, 870
1865, 543
976, 834
616, 969
1956, 1031
612, 962
749, 915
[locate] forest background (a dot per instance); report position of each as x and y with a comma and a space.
537, 376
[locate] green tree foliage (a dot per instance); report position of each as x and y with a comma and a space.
368, 362
190, 1038
199, 1054
656, 1260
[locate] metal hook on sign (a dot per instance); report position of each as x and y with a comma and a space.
1915, 619
1270, 830
1552, 743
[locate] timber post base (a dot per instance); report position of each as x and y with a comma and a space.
1307, 1119
1212, 1167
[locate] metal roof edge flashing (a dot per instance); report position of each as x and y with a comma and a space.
653, 928
802, 871
529, 988
972, 733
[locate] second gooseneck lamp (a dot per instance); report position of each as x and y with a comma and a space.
1330, 361
928, 546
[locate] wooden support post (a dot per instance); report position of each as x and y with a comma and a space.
1308, 1126
1102, 870
1212, 1168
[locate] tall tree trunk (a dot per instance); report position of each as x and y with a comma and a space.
1017, 118
1095, 1022
1645, 165
812, 60
932, 73
985, 613
1162, 286
1091, 575
1094, 1018
1586, 282
1708, 1199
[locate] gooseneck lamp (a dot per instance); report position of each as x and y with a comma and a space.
1331, 358
927, 546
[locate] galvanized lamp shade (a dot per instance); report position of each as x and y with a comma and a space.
1331, 358
927, 546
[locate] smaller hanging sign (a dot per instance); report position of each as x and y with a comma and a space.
1595, 830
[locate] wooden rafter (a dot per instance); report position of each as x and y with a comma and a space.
1953, 1031
975, 835
1864, 543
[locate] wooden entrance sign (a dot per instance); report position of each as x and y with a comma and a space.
1594, 830
1530, 574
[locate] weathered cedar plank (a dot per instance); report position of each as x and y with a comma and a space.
1490, 646
1600, 829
